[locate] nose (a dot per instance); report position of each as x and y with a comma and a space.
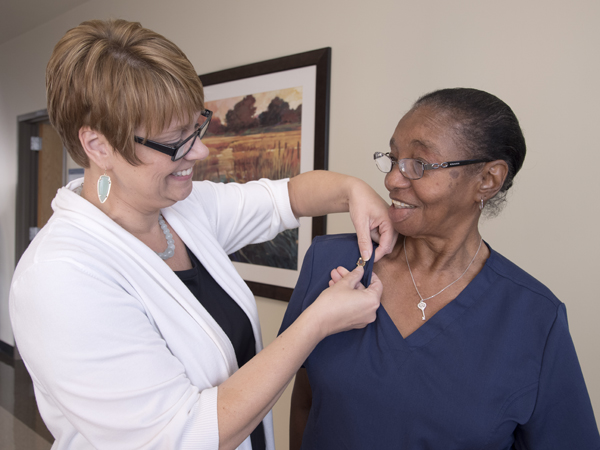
395, 179
198, 152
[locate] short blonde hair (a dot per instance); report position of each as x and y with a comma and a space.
115, 76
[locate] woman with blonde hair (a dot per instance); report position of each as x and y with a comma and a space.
131, 319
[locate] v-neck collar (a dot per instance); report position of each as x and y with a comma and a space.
467, 299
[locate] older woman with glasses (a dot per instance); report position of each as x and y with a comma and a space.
468, 351
135, 327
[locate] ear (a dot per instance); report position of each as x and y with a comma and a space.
492, 178
96, 147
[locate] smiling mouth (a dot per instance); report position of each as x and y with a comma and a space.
183, 173
400, 205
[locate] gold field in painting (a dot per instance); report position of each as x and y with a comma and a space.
273, 155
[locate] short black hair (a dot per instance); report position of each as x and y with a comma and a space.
487, 127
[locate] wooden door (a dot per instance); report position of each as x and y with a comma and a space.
51, 168
43, 167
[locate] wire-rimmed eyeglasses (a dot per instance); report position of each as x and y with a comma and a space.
180, 149
413, 169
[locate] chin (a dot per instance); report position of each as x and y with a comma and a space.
172, 197
185, 193
406, 227
400, 217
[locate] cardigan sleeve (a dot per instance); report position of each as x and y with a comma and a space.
95, 356
562, 417
242, 214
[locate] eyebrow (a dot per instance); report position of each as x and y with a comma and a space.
427, 145
184, 128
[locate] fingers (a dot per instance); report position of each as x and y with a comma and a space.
383, 233
387, 240
351, 279
364, 241
370, 218
336, 275
347, 304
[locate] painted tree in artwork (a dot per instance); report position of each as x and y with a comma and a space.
241, 117
278, 112
215, 127
292, 115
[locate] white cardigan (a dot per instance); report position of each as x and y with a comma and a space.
121, 353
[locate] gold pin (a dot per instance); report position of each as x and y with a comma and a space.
361, 262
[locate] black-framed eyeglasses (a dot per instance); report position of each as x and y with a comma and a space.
182, 148
413, 169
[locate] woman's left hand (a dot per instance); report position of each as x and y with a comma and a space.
322, 192
369, 214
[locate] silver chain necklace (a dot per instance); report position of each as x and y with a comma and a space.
422, 305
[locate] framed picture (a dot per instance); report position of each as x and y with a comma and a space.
270, 120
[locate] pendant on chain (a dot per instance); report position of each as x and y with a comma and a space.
422, 305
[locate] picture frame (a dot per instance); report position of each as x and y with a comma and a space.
244, 131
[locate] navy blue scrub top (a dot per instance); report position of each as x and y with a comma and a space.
494, 369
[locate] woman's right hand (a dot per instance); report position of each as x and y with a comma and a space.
346, 304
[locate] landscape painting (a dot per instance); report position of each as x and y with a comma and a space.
252, 137
270, 120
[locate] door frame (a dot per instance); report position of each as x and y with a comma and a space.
27, 179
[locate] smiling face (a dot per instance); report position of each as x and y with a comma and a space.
157, 182
443, 202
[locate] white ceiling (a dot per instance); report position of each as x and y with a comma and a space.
20, 16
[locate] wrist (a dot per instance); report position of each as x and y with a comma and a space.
354, 189
313, 323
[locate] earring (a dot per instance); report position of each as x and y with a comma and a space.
481, 205
103, 187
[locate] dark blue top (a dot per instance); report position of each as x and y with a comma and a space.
494, 369
230, 317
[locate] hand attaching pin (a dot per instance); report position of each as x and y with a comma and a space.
361, 262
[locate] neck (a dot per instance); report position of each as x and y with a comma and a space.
137, 222
438, 255
148, 226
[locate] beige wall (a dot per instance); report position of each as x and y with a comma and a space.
540, 56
